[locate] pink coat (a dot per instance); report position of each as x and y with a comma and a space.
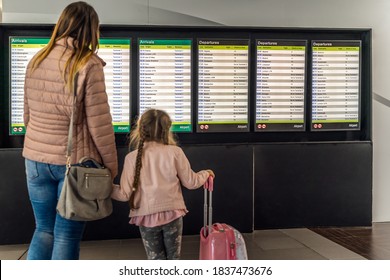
48, 107
164, 169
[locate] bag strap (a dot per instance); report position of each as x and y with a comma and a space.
70, 132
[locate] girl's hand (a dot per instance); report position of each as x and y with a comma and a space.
209, 184
211, 173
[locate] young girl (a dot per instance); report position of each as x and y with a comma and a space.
151, 181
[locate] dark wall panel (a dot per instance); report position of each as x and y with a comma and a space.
295, 185
316, 184
16, 216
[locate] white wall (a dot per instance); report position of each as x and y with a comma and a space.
276, 13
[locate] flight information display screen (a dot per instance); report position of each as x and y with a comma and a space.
280, 85
336, 85
21, 52
223, 85
115, 52
165, 81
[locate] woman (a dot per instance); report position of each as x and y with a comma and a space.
47, 109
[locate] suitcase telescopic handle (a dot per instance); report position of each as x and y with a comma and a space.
208, 206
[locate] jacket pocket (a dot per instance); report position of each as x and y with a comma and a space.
31, 169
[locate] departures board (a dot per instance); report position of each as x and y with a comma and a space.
223, 85
280, 85
244, 84
336, 85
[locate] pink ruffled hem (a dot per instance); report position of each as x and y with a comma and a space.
158, 219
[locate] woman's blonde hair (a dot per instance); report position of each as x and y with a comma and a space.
153, 125
79, 21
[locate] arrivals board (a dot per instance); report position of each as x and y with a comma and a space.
280, 85
165, 79
335, 85
21, 52
223, 85
116, 54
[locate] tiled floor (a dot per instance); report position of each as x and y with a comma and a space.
286, 244
371, 242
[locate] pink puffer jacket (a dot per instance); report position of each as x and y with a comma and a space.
48, 107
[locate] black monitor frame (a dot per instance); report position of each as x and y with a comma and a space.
219, 32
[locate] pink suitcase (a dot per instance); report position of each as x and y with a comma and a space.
219, 241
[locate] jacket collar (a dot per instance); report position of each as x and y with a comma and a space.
68, 43
152, 144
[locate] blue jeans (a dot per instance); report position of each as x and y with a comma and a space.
54, 237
